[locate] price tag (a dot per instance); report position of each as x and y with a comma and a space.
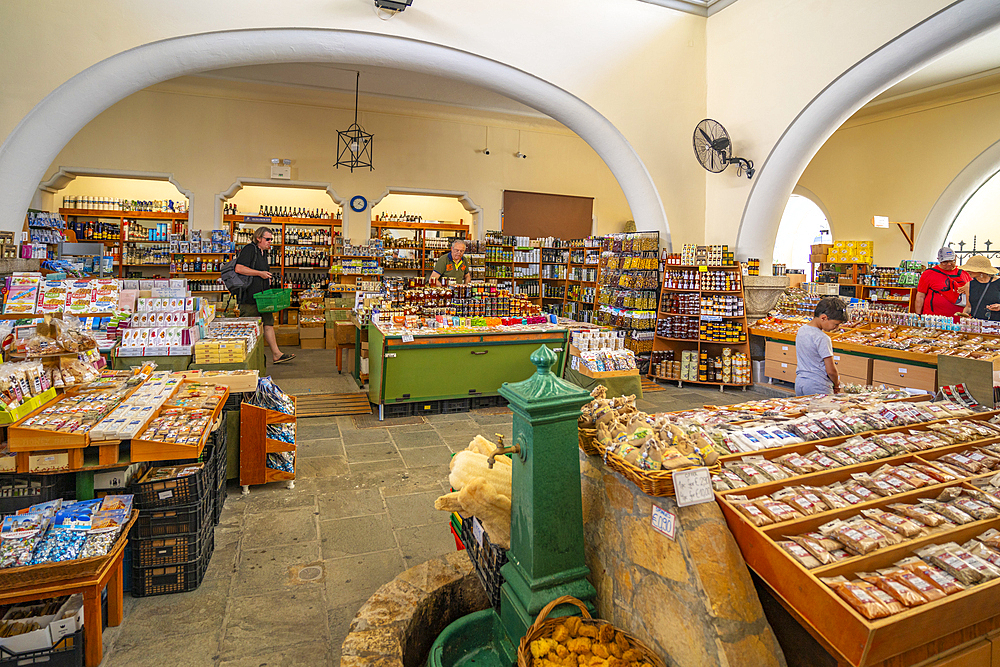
664, 522
703, 269
902, 371
477, 530
166, 494
711, 318
407, 338
693, 486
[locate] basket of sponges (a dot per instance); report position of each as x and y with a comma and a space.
569, 641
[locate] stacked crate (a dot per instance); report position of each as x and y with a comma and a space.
174, 537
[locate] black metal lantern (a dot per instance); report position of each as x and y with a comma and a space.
354, 145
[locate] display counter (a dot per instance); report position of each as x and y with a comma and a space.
441, 366
802, 582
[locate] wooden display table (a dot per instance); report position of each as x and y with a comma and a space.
64, 579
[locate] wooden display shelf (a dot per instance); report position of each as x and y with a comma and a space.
152, 450
851, 638
131, 215
255, 445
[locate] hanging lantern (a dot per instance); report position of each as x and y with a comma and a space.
354, 145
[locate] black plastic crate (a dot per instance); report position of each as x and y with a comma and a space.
185, 490
455, 405
177, 520
488, 402
179, 578
220, 502
18, 491
427, 408
168, 550
394, 410
234, 401
487, 559
68, 652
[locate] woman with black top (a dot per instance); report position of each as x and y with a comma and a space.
984, 290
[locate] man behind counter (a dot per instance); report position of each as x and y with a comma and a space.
452, 265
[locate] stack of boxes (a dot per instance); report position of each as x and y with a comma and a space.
851, 252
173, 539
819, 252
220, 351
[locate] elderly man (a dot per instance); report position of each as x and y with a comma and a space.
452, 265
942, 289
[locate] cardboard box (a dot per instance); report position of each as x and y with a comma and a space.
312, 332
48, 461
285, 334
312, 343
816, 258
345, 332
293, 317
821, 248
331, 339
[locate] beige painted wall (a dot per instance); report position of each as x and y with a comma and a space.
209, 133
640, 65
251, 197
438, 209
767, 59
653, 72
123, 188
897, 162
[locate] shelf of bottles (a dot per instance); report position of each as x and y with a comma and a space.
628, 282
701, 330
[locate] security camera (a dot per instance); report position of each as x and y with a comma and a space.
486, 151
520, 154
393, 5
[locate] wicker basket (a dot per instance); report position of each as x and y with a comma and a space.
657, 483
544, 626
588, 439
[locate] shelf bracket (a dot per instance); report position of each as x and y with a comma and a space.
908, 237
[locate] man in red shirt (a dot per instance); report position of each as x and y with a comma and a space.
943, 289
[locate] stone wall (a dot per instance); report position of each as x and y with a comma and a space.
690, 599
398, 624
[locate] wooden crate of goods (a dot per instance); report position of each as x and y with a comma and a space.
181, 427
892, 546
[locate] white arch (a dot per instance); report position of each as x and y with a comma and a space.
65, 175
883, 68
36, 141
241, 183
463, 198
814, 198
942, 216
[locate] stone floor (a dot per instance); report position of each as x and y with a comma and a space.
361, 511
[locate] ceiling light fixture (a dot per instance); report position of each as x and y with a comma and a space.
354, 145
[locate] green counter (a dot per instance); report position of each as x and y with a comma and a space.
453, 366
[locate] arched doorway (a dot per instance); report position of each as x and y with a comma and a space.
37, 140
891, 63
802, 224
976, 224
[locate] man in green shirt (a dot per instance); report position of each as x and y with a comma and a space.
452, 265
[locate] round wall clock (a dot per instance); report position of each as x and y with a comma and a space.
358, 203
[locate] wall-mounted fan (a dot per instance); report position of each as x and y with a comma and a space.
714, 149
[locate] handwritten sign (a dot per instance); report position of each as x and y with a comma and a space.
477, 530
693, 486
407, 338
664, 522
881, 221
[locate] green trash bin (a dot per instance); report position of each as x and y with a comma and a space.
273, 300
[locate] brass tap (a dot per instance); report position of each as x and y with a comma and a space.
501, 450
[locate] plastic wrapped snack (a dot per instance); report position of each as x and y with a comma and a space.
778, 511
922, 589
900, 524
924, 515
749, 473
815, 548
798, 463
888, 600
800, 554
943, 557
798, 501
858, 542
858, 597
935, 576
948, 511
754, 514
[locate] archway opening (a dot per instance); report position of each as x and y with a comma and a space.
975, 228
803, 223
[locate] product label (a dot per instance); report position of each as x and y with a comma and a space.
664, 522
